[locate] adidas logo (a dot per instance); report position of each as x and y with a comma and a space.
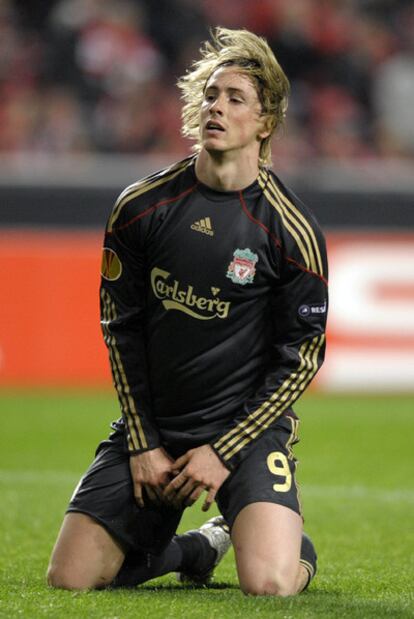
204, 226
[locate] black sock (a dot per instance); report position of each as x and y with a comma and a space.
198, 555
189, 552
138, 568
308, 558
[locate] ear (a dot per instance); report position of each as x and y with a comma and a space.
267, 127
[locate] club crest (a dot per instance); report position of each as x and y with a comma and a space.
242, 268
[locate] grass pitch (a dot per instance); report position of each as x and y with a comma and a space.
356, 477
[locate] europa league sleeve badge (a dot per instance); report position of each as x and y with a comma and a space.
111, 267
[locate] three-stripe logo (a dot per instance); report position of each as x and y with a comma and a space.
204, 226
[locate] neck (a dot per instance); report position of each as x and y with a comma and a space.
218, 171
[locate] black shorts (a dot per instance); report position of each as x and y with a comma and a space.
105, 492
267, 474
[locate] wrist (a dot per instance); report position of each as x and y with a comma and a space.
225, 463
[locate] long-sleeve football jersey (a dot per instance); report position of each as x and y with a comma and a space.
213, 308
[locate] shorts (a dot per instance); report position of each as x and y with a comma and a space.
105, 492
267, 474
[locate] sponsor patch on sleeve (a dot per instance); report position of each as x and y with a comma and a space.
314, 309
111, 267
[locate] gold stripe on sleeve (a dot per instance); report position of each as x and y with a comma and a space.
286, 219
306, 228
137, 189
295, 223
267, 403
260, 419
286, 395
136, 439
108, 341
133, 442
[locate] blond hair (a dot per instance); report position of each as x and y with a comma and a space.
251, 55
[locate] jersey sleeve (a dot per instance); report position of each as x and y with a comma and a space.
299, 312
123, 309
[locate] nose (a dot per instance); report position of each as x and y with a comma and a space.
217, 105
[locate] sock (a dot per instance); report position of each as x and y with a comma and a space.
198, 556
140, 567
308, 558
190, 552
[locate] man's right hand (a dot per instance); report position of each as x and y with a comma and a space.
152, 471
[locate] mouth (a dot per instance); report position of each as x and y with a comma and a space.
213, 126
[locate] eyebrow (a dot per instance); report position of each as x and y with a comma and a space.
229, 89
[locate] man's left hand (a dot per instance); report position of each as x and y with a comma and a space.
198, 470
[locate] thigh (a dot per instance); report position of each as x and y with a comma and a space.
85, 555
266, 538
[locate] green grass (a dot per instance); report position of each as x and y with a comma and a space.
356, 477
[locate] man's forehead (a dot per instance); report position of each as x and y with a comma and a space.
231, 77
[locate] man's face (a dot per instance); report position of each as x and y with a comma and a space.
230, 117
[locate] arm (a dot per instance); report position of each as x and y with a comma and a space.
122, 296
299, 309
122, 320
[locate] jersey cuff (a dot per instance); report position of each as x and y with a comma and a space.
226, 463
136, 452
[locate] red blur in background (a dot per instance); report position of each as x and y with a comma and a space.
49, 311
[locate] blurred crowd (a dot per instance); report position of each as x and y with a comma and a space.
82, 76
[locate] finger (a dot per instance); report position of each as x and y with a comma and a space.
138, 495
209, 500
174, 485
152, 495
177, 497
165, 480
184, 492
180, 463
160, 494
160, 489
195, 495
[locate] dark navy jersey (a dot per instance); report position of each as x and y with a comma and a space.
213, 308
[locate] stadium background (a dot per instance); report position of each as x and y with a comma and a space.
88, 104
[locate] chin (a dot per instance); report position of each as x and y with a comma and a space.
213, 147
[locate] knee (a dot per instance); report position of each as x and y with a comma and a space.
275, 584
58, 579
65, 578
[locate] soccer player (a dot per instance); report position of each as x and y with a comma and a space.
213, 307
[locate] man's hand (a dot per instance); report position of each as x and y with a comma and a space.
151, 470
197, 470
